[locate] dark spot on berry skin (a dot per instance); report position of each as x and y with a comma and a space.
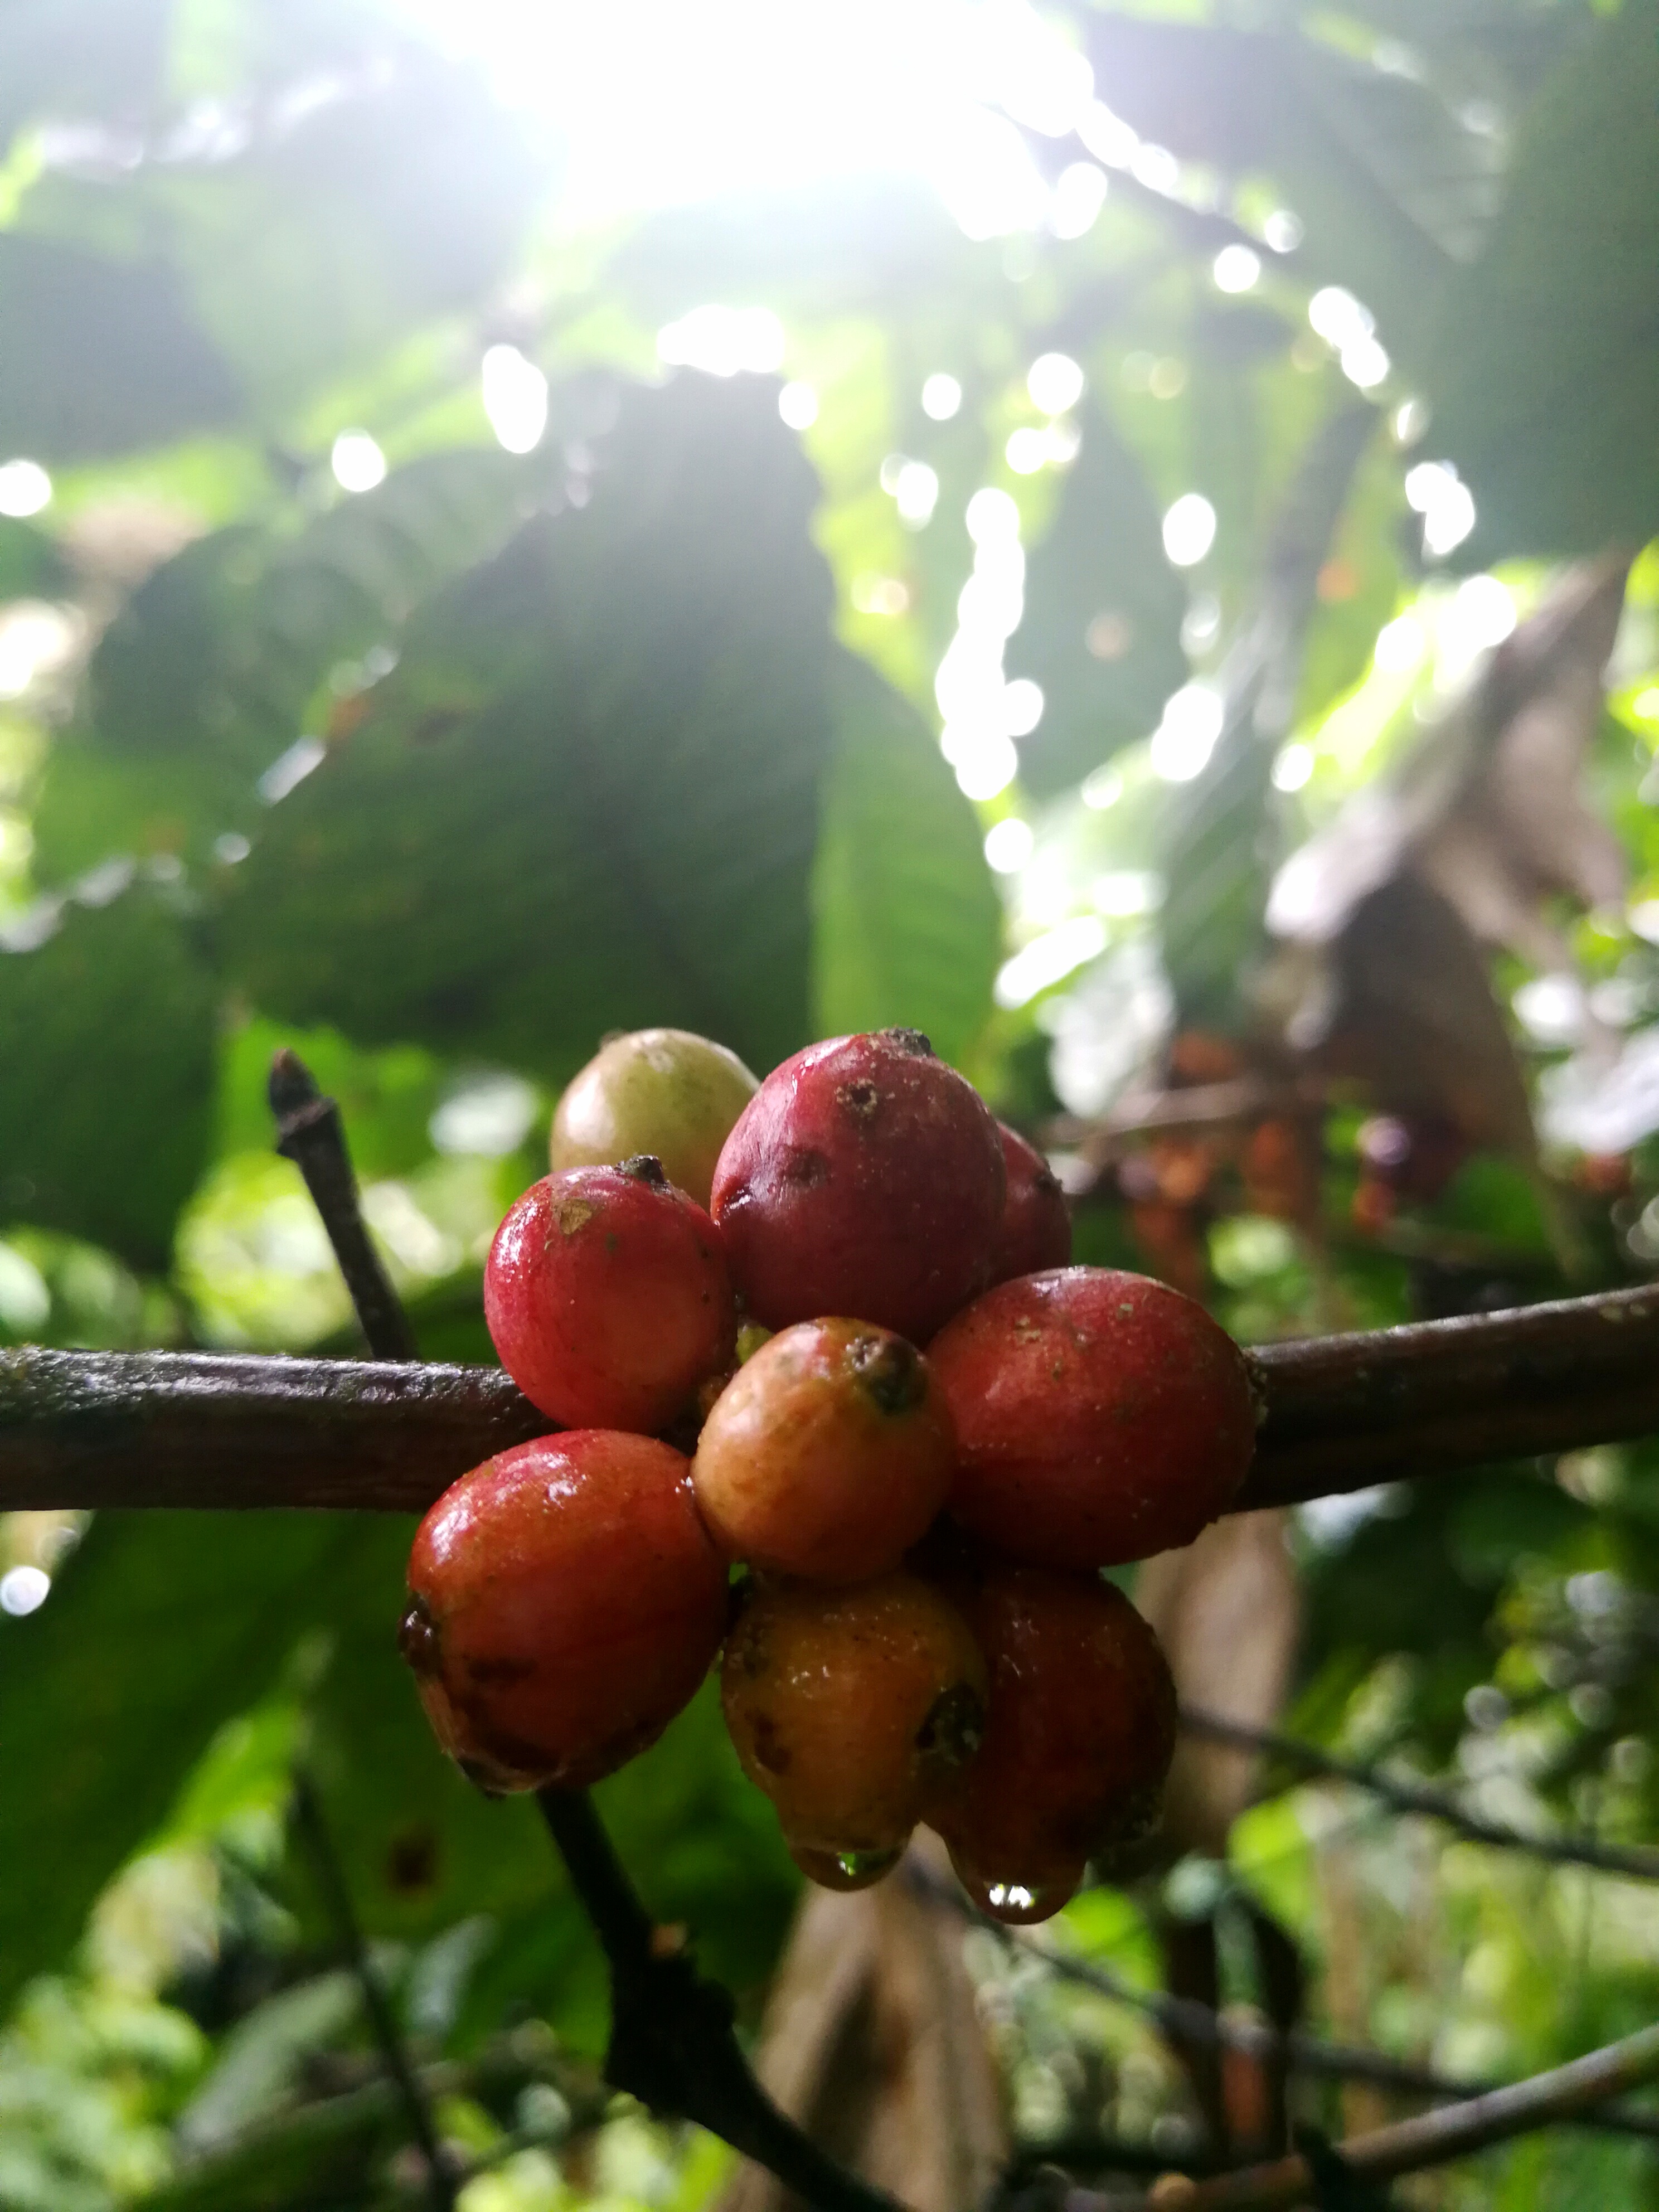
806, 1168
768, 1752
418, 1639
411, 1861
499, 1670
646, 1167
859, 1099
909, 1041
954, 1728
888, 1371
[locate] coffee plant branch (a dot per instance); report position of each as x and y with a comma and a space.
84, 1429
1403, 1797
1434, 2138
1191, 2021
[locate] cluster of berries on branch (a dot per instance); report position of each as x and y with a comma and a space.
834, 1408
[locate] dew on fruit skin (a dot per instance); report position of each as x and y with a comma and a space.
1011, 1893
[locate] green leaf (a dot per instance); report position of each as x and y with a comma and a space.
207, 675
69, 314
31, 565
1101, 631
421, 1847
1543, 378
107, 1034
395, 191
907, 928
400, 195
588, 796
1391, 184
162, 1627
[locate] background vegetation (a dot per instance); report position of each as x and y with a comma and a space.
449, 610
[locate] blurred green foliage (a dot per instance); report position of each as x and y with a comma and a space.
441, 778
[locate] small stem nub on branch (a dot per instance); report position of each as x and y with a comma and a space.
310, 1134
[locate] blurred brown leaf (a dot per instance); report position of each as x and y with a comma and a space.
873, 2043
1415, 1021
1380, 979
1487, 805
1228, 1611
1519, 830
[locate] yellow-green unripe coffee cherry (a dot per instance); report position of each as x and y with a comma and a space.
663, 1091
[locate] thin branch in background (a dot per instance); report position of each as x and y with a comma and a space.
1306, 2054
1630, 1860
672, 2041
440, 2187
309, 1133
1436, 2138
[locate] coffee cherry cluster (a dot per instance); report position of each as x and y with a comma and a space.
824, 1329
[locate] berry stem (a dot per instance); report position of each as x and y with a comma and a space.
672, 2041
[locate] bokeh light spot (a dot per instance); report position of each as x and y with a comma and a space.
357, 461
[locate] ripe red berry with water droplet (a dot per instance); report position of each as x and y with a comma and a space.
565, 1603
1100, 1416
1079, 1731
845, 1706
608, 1299
828, 1454
865, 1177
1037, 1223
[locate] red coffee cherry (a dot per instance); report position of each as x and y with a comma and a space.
565, 1603
1037, 1223
864, 1177
1079, 1732
845, 1706
667, 1093
1100, 1416
607, 1296
827, 1455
